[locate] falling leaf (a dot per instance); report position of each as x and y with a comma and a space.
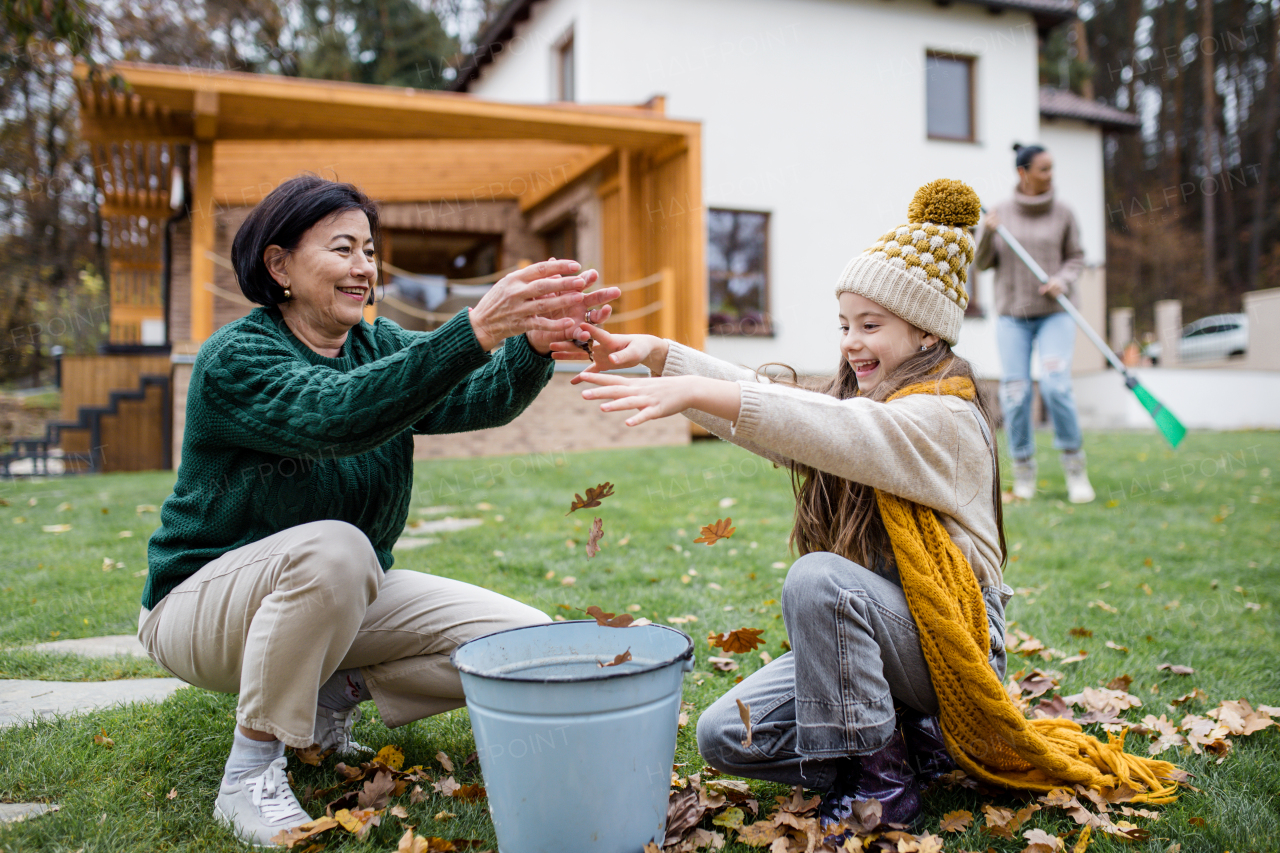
103, 740
594, 495
766, 657
56, 528
713, 533
744, 711
1175, 668
391, 756
296, 835
593, 538
723, 664
738, 641
619, 659
608, 620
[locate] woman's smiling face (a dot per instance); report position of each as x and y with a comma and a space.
875, 341
329, 275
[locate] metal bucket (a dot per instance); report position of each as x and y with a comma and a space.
575, 755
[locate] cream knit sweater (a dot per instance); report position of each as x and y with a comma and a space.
1047, 229
925, 448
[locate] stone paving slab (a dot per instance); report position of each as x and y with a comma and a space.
20, 700
93, 647
10, 812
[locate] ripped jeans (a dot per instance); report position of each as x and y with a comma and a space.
1056, 334
855, 651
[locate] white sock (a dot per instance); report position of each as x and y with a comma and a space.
344, 689
248, 754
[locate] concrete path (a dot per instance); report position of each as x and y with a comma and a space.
94, 647
21, 700
11, 812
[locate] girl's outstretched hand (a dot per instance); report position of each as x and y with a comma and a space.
662, 396
610, 352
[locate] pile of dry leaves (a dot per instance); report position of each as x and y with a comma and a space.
360, 807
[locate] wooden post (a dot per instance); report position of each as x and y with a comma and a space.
695, 276
668, 315
202, 240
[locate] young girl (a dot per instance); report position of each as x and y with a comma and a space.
895, 611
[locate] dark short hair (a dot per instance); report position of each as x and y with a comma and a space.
281, 219
1024, 154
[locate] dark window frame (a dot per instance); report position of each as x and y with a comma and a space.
735, 329
971, 62
566, 84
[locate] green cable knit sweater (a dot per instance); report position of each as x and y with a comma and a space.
278, 435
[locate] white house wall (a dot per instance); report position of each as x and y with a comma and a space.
812, 110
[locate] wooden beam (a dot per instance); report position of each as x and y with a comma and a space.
695, 302
205, 109
597, 155
202, 242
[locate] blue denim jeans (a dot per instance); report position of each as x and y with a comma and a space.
855, 651
1056, 334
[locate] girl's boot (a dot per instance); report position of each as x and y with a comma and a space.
925, 747
884, 775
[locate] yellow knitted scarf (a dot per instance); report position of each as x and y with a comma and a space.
985, 733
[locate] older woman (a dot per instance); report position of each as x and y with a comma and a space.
269, 574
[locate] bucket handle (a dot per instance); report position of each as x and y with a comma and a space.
687, 665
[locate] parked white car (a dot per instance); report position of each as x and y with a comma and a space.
1209, 338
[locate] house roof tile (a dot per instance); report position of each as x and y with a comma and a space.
1060, 103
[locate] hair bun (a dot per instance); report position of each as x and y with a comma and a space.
945, 202
1018, 146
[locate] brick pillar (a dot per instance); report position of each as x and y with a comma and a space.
1169, 330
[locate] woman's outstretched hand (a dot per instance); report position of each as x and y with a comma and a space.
544, 300
662, 396
612, 352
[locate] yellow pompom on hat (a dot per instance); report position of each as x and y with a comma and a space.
920, 270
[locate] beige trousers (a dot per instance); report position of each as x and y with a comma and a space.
274, 619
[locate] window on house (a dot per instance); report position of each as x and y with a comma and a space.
738, 273
949, 97
564, 69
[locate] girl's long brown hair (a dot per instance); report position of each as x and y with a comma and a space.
841, 516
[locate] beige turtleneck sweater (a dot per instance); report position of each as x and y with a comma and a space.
1047, 229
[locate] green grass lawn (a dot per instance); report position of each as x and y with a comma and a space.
1178, 544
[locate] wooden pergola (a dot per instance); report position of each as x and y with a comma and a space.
245, 133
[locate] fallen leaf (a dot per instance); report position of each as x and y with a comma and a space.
744, 711
312, 755
618, 659
957, 821
1036, 683
738, 641
446, 786
469, 793
391, 756
417, 795
1175, 668
1039, 841
376, 792
761, 833
290, 837
443, 816
713, 533
608, 619
445, 762
173, 794
146, 508
358, 821
684, 811
731, 818
594, 495
103, 740
1080, 632
1117, 647
398, 811
593, 538
56, 528
1120, 682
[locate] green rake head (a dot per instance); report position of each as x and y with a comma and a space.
1168, 425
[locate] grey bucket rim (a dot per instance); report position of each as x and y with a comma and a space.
687, 654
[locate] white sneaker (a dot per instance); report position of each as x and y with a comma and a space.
1079, 489
261, 805
1024, 478
333, 731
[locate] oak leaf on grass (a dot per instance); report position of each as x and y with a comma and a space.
358, 821
376, 792
712, 533
594, 495
103, 740
738, 641
957, 821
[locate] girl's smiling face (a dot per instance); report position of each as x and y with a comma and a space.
875, 341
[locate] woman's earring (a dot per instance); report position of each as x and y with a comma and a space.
922, 346
287, 294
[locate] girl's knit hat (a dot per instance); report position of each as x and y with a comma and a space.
919, 270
